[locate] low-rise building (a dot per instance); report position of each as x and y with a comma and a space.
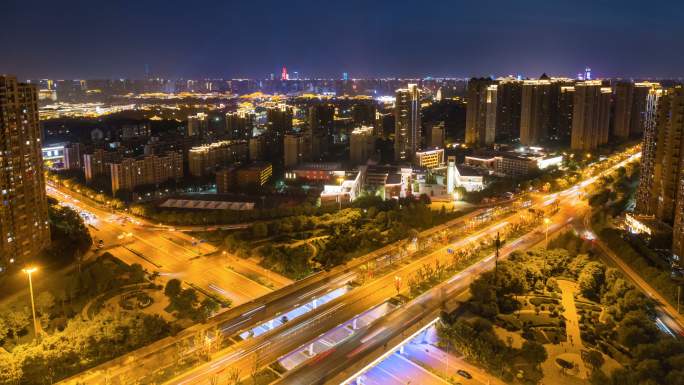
129, 173
313, 172
204, 159
513, 163
97, 162
255, 175
62, 156
430, 159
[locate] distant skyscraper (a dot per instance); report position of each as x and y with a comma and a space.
407, 123
24, 228
481, 112
284, 75
587, 73
345, 76
591, 115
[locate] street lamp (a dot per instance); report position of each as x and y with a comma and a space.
547, 222
29, 271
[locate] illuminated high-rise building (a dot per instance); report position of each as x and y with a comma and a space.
566, 101
539, 110
481, 112
198, 125
646, 196
284, 75
591, 115
672, 175
631, 108
24, 228
407, 131
508, 109
240, 124
361, 145
297, 149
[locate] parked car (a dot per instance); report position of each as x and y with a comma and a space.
463, 373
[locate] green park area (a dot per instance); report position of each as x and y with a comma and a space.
562, 317
296, 246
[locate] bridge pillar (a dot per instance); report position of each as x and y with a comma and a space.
401, 349
311, 352
270, 324
354, 323
314, 303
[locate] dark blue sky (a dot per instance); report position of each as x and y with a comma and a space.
196, 38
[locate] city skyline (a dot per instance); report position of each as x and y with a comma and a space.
364, 40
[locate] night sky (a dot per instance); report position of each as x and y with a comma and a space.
230, 39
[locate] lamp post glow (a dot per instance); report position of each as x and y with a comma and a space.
29, 271
547, 221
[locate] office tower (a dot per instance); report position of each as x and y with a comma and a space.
284, 75
24, 228
508, 106
481, 112
204, 159
345, 76
130, 173
361, 145
591, 115
297, 149
646, 196
198, 125
539, 110
363, 114
240, 125
566, 101
437, 135
407, 123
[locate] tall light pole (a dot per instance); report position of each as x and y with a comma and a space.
29, 271
547, 222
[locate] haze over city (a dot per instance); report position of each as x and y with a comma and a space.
238, 39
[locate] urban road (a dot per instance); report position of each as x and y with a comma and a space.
139, 364
245, 355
